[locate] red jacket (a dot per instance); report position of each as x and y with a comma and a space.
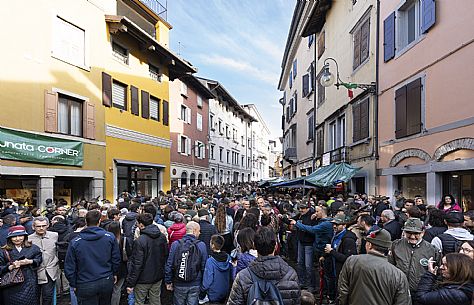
176, 232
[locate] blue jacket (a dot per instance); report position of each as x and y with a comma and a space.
91, 256
323, 232
243, 262
217, 277
169, 269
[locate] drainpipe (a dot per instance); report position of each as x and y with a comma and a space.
376, 95
315, 82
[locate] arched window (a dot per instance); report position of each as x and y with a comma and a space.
199, 179
192, 179
184, 179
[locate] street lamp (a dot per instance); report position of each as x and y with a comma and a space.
327, 79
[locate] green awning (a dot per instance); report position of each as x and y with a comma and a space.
332, 174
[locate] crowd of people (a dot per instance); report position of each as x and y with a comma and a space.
238, 244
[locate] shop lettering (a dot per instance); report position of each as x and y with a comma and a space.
40, 148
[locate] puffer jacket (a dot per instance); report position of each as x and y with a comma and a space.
176, 232
407, 258
429, 294
272, 268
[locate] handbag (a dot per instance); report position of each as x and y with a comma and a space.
13, 277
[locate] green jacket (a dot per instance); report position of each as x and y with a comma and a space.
409, 259
368, 279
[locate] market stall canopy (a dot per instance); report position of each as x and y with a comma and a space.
270, 181
300, 182
332, 174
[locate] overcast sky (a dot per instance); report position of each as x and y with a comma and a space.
239, 43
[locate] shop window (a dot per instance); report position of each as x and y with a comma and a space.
137, 180
412, 185
119, 95
69, 116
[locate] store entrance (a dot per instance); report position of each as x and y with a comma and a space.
22, 189
137, 180
461, 186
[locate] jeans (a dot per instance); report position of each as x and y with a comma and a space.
47, 291
153, 291
98, 292
72, 294
305, 265
117, 291
186, 295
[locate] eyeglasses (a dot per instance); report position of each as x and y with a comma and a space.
412, 233
466, 250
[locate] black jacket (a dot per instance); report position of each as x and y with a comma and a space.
347, 247
269, 268
306, 238
393, 227
62, 229
150, 251
433, 232
207, 230
429, 294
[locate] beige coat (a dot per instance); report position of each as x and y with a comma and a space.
50, 264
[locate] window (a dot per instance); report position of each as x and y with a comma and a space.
120, 53
184, 89
290, 80
408, 23
154, 108
243, 161
360, 120
199, 121
337, 133
184, 145
221, 131
242, 140
185, 114
69, 42
295, 66
69, 116
199, 101
119, 95
211, 151
228, 156
165, 113
227, 131
221, 154
320, 140
199, 149
321, 89
211, 122
305, 85
321, 43
408, 109
310, 127
361, 36
310, 40
154, 72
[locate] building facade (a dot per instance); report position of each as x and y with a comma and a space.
275, 158
426, 118
260, 135
189, 127
230, 141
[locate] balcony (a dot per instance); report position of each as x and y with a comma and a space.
156, 7
340, 154
290, 153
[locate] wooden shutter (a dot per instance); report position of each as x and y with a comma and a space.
165, 113
356, 123
414, 107
364, 40
364, 119
389, 37
146, 105
428, 12
401, 112
357, 41
196, 148
305, 84
88, 120
106, 89
320, 140
134, 98
321, 43
180, 149
50, 111
296, 101
188, 115
287, 114
188, 146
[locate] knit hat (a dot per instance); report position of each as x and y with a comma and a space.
16, 231
413, 225
380, 238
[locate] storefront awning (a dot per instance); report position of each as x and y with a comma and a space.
137, 163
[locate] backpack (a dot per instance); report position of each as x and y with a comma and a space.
61, 247
263, 292
187, 261
450, 243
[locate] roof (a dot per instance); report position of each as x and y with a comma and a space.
200, 87
219, 91
260, 119
176, 65
317, 18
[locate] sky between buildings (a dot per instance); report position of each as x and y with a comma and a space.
240, 43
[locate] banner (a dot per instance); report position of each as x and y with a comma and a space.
24, 146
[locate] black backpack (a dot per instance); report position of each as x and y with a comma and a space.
187, 261
61, 247
450, 243
263, 292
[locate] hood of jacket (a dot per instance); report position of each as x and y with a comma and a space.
177, 226
131, 216
460, 233
152, 231
269, 267
221, 260
59, 228
93, 233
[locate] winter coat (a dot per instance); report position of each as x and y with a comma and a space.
50, 264
303, 236
458, 233
433, 232
61, 228
428, 294
176, 232
207, 230
26, 293
217, 277
126, 248
407, 258
147, 263
394, 228
272, 268
368, 279
346, 248
244, 261
91, 256
323, 233
127, 224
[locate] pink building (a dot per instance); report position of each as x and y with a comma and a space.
189, 128
426, 109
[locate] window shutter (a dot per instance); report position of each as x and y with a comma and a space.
311, 73
364, 119
305, 84
282, 123
188, 148
287, 114
165, 113
89, 120
291, 79
389, 37
364, 40
356, 123
414, 107
401, 112
321, 43
428, 11
357, 48
146, 105
196, 148
106, 89
188, 115
50, 111
296, 101
180, 149
134, 97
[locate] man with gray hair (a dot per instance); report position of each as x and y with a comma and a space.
387, 218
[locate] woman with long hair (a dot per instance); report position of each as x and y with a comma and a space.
448, 204
22, 254
247, 248
224, 224
456, 286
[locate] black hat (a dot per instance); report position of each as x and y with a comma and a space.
203, 212
454, 217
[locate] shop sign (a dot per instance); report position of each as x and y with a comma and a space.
24, 146
326, 159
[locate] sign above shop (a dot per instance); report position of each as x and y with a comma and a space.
24, 146
326, 159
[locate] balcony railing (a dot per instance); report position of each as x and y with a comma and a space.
290, 153
156, 6
340, 154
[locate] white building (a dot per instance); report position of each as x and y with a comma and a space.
230, 142
260, 152
275, 157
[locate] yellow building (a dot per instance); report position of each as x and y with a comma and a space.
135, 87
